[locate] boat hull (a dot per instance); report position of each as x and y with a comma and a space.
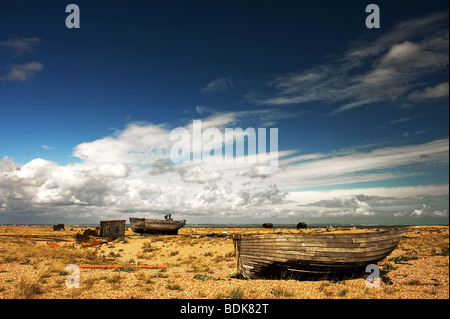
156, 226
295, 255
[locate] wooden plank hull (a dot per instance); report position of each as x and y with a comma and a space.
293, 255
156, 226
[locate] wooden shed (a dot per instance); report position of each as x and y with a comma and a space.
58, 227
112, 228
302, 225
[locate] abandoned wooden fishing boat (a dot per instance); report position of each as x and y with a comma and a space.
310, 254
156, 226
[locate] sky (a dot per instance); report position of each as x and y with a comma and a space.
356, 119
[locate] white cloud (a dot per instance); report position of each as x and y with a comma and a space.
138, 143
352, 166
218, 85
404, 52
349, 205
22, 72
388, 69
130, 173
161, 166
20, 46
403, 119
426, 211
434, 92
201, 175
376, 202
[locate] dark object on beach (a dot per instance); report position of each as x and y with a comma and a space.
318, 255
301, 225
86, 235
112, 228
267, 225
166, 226
58, 227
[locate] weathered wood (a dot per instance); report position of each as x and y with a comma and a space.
57, 227
266, 255
122, 266
156, 226
301, 225
112, 228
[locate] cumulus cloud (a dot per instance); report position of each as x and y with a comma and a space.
349, 205
257, 197
139, 143
130, 173
200, 175
375, 202
426, 210
161, 166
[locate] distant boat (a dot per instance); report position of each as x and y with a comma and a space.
296, 255
156, 226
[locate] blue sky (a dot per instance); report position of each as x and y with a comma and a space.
362, 114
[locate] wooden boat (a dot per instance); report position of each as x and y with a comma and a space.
309, 254
156, 226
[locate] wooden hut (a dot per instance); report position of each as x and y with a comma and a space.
301, 225
112, 228
58, 227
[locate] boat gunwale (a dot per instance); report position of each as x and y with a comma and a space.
321, 236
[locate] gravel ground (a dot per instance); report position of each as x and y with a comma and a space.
200, 265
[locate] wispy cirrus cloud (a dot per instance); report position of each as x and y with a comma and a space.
20, 46
391, 68
22, 72
221, 84
434, 92
355, 166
